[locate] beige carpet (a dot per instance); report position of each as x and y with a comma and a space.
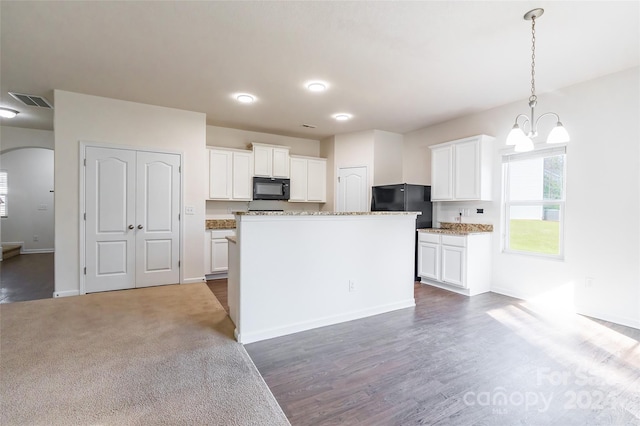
161, 355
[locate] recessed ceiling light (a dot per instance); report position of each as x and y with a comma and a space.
317, 86
342, 117
245, 98
8, 112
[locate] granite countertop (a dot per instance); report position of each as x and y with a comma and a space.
312, 213
451, 228
220, 224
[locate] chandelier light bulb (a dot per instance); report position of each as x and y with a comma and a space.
558, 135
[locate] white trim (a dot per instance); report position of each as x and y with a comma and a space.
83, 145
197, 280
320, 322
36, 251
66, 293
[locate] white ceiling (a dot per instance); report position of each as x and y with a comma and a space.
396, 66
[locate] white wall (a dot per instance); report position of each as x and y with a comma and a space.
602, 236
17, 137
79, 117
30, 201
387, 156
327, 150
240, 139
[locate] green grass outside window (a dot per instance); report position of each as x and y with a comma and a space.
537, 236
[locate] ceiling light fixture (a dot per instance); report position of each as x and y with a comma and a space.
317, 86
8, 112
523, 142
245, 98
342, 117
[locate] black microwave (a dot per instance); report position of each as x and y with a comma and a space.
271, 188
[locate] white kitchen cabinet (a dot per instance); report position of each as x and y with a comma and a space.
460, 263
308, 179
216, 250
270, 160
230, 174
461, 169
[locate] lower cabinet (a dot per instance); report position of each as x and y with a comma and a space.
460, 263
216, 251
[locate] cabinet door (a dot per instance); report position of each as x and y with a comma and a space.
453, 259
429, 260
467, 170
280, 166
242, 188
220, 177
298, 180
442, 173
316, 180
262, 161
219, 255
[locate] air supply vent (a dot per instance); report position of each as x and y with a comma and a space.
309, 126
32, 100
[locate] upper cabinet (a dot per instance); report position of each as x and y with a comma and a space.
270, 160
308, 179
461, 169
230, 173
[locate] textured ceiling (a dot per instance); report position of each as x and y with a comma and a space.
396, 66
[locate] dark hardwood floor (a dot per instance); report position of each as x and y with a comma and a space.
26, 277
219, 289
454, 360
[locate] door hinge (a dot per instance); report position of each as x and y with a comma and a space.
85, 216
85, 162
178, 216
85, 270
338, 179
178, 263
179, 169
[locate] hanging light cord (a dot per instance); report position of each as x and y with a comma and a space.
533, 96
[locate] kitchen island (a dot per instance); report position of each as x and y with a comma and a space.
294, 271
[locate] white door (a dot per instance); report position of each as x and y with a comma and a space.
110, 199
157, 214
132, 201
429, 260
353, 190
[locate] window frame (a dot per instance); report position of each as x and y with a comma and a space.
507, 203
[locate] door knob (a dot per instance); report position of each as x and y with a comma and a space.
139, 226
131, 226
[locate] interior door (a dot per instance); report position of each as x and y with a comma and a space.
157, 219
132, 203
110, 216
353, 190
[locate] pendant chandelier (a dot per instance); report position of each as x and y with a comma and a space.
524, 142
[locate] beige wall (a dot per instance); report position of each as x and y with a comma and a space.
240, 139
388, 153
94, 119
17, 137
327, 150
602, 235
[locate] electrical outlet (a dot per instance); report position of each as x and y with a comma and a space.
480, 211
588, 282
189, 210
352, 286
35, 239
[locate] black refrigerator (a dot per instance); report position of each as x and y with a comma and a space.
405, 197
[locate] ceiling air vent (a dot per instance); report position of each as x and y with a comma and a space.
309, 126
32, 100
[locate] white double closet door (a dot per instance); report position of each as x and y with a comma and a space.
132, 231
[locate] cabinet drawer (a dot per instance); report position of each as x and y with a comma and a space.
428, 237
222, 233
454, 240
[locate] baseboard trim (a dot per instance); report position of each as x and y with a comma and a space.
194, 280
581, 310
36, 251
255, 336
66, 293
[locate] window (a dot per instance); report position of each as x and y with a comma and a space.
3, 193
534, 196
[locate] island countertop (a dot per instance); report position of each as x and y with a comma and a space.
314, 213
